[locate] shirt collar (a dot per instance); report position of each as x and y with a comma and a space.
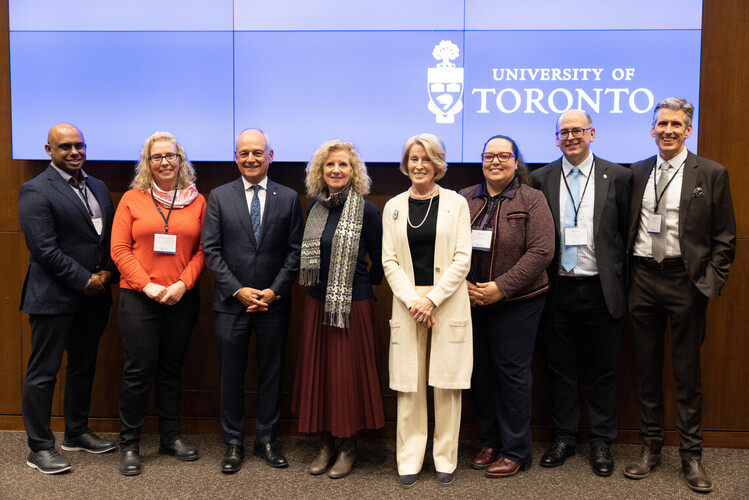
66, 176
585, 166
263, 184
508, 192
676, 161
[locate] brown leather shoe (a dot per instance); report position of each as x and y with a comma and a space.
640, 469
485, 457
327, 451
504, 467
697, 478
346, 458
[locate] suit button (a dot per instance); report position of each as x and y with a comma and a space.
437, 269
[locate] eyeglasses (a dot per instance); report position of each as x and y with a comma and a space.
502, 157
170, 157
258, 153
576, 133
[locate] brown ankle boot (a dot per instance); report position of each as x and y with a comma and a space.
346, 458
324, 457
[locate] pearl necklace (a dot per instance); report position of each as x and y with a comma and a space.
429, 208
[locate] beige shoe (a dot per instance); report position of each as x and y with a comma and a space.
324, 457
346, 458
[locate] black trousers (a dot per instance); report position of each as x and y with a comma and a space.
581, 332
654, 297
233, 333
52, 335
154, 339
504, 335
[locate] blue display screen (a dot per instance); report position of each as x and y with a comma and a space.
373, 73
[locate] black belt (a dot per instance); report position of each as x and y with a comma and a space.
579, 279
665, 265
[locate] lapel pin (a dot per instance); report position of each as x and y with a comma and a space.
395, 215
698, 192
605, 176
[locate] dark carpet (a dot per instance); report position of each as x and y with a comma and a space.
374, 476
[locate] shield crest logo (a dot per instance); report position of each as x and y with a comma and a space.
445, 83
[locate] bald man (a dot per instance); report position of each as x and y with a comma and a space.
589, 199
252, 240
66, 219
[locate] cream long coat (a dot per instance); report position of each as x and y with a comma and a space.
451, 355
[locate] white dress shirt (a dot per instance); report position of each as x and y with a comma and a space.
250, 193
586, 255
643, 242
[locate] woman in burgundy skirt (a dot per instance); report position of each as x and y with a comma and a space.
337, 386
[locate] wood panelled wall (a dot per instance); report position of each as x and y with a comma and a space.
724, 108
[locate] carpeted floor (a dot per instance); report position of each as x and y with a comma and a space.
374, 476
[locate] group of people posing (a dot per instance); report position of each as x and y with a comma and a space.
565, 250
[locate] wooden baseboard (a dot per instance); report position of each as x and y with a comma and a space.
289, 427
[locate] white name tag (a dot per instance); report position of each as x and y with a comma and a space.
164, 243
575, 236
654, 224
98, 224
481, 239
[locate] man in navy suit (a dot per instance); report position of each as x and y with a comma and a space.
252, 238
589, 198
66, 219
682, 239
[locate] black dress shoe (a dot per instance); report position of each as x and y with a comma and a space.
233, 459
601, 461
269, 453
179, 449
557, 454
47, 461
129, 463
697, 478
88, 441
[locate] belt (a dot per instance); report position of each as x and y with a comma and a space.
665, 265
579, 279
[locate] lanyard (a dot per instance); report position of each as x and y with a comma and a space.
655, 186
166, 219
580, 202
81, 186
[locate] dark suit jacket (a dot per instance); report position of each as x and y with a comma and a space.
65, 249
707, 227
613, 185
235, 258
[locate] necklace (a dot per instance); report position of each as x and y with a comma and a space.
429, 208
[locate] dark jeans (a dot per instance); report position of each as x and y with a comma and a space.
582, 332
654, 296
52, 335
504, 335
155, 339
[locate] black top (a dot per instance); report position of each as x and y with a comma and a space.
421, 240
370, 242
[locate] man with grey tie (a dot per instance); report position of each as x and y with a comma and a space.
682, 239
252, 238
589, 198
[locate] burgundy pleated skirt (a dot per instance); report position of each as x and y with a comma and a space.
337, 386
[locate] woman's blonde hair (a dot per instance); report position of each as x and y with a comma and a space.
143, 178
435, 150
315, 181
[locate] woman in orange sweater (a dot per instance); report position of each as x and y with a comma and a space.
156, 245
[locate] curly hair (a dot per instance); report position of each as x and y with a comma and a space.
143, 177
314, 180
435, 150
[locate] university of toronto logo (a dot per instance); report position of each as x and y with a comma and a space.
445, 83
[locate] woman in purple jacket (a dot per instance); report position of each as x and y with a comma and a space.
513, 243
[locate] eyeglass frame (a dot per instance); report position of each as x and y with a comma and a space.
497, 156
156, 159
565, 134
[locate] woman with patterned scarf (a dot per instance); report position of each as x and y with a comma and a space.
337, 387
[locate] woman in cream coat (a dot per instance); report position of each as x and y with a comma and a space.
426, 251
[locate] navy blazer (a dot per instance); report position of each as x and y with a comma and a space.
236, 259
610, 216
707, 227
65, 248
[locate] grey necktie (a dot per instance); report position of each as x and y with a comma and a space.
659, 240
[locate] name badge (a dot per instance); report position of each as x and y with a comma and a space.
575, 236
164, 243
98, 224
481, 239
654, 223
